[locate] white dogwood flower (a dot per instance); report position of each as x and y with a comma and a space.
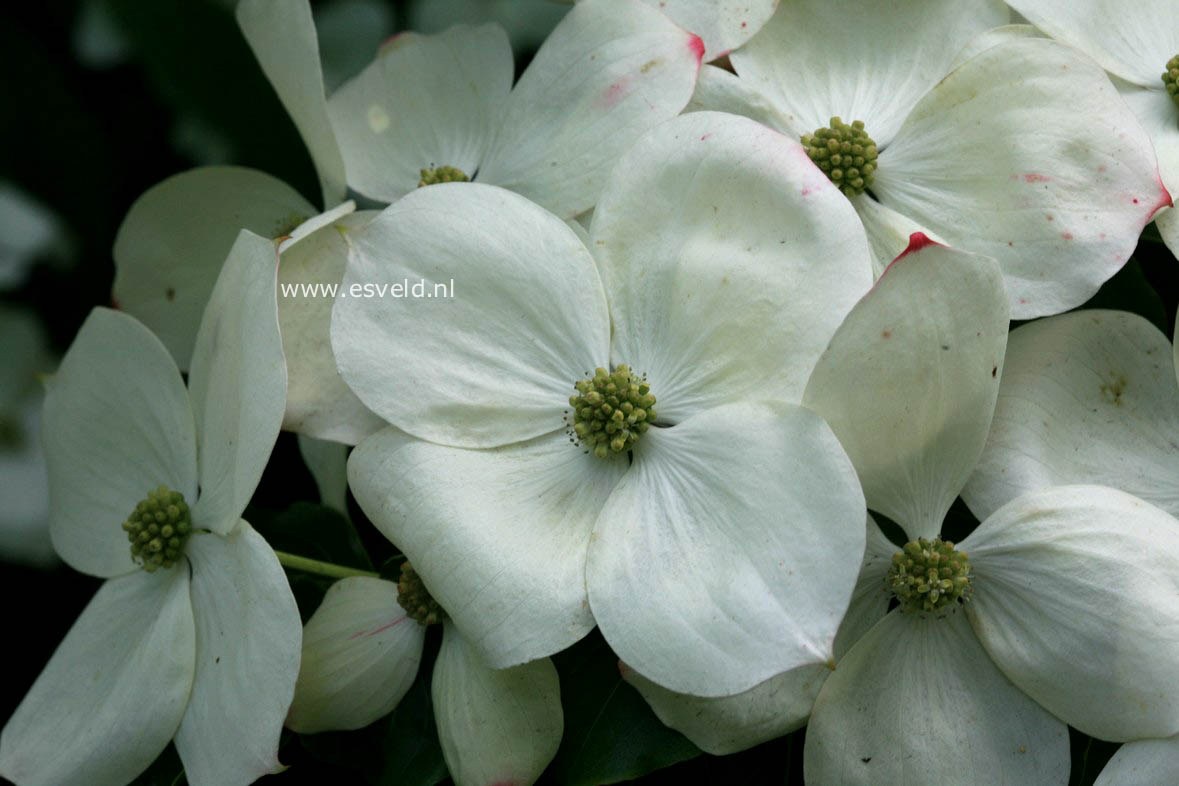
609, 436
1059, 608
1023, 151
1139, 44
438, 108
361, 652
610, 70
195, 635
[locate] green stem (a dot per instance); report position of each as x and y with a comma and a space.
329, 569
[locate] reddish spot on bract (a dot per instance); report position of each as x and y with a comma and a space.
917, 241
1034, 178
1067, 235
696, 44
375, 631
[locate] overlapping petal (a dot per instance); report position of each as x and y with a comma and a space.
723, 25
498, 536
1086, 397
1159, 115
426, 101
1026, 153
496, 363
495, 726
728, 259
909, 381
729, 724
328, 464
870, 598
282, 35
174, 239
360, 656
609, 71
819, 58
116, 425
1133, 41
114, 691
248, 635
918, 702
728, 552
1142, 763
319, 404
238, 382
1075, 602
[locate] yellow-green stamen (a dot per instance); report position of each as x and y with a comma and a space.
610, 411
415, 598
1171, 79
929, 575
158, 529
846, 154
442, 174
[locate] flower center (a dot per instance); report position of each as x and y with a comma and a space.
415, 598
610, 411
158, 528
442, 174
928, 575
845, 153
1171, 79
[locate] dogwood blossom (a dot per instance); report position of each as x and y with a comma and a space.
1006, 154
556, 138
726, 262
443, 107
195, 635
1040, 617
361, 652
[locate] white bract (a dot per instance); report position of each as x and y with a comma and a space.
204, 652
170, 247
717, 547
1069, 614
1137, 43
361, 652
1025, 152
723, 25
1087, 397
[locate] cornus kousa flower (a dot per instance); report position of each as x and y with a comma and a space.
1059, 608
361, 651
715, 531
429, 108
1088, 397
1138, 43
443, 108
1022, 151
195, 635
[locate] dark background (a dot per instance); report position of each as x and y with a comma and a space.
103, 99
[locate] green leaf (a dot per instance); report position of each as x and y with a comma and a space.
611, 734
311, 530
401, 749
